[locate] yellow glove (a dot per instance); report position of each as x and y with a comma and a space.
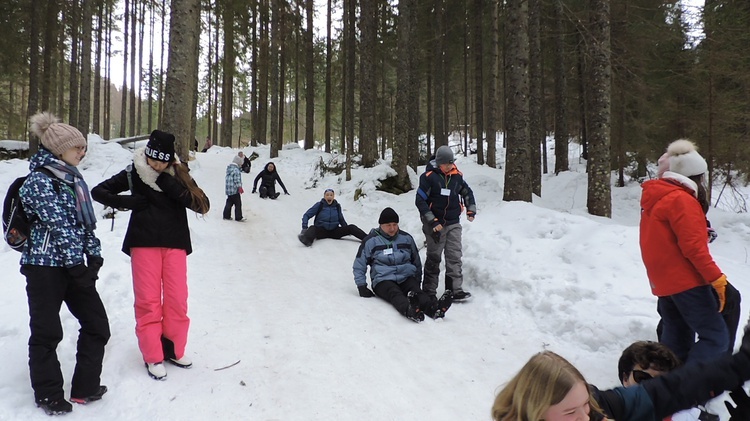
720, 285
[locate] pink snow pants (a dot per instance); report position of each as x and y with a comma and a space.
161, 292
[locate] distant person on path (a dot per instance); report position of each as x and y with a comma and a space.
395, 269
680, 269
158, 243
329, 222
441, 197
61, 262
207, 145
233, 190
268, 178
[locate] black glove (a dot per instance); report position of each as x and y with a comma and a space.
254, 191
365, 292
134, 202
741, 410
435, 236
82, 276
95, 263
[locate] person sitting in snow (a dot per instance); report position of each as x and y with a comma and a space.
680, 269
268, 176
246, 162
329, 222
233, 190
395, 271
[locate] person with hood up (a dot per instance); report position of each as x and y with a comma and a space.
395, 270
689, 285
268, 176
233, 189
158, 243
61, 263
329, 222
441, 198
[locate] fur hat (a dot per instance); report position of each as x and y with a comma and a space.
238, 160
160, 146
444, 155
55, 136
684, 158
387, 216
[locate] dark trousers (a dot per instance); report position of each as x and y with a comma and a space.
236, 201
47, 288
687, 313
267, 190
318, 233
395, 293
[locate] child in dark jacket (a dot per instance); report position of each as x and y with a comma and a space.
158, 243
268, 176
61, 262
329, 222
233, 189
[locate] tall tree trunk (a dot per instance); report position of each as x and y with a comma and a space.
478, 52
73, 84
141, 30
33, 99
536, 95
263, 73
84, 110
227, 82
107, 108
254, 74
309, 79
438, 65
406, 23
492, 78
274, 78
125, 40
214, 132
282, 70
133, 87
96, 111
184, 33
329, 55
150, 99
162, 72
349, 33
518, 156
368, 91
50, 47
599, 200
561, 92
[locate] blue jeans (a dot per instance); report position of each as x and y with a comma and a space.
687, 313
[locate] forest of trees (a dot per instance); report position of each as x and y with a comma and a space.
620, 78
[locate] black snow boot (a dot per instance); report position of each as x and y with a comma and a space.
56, 407
95, 397
414, 314
443, 304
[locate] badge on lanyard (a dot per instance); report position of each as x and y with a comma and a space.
388, 251
445, 192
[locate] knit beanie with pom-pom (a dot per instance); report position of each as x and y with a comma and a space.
684, 158
55, 136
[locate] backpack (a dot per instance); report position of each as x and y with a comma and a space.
16, 224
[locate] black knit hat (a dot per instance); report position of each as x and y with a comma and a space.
160, 146
387, 216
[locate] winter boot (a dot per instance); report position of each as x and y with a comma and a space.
157, 371
461, 295
275, 195
183, 362
414, 314
304, 240
95, 397
443, 304
56, 407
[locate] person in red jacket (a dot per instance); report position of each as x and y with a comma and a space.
689, 285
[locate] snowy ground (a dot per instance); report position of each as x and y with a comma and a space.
544, 276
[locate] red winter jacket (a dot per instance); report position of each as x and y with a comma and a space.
673, 239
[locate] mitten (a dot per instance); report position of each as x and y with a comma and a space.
741, 410
365, 292
254, 191
720, 285
711, 234
82, 276
95, 263
134, 202
241, 190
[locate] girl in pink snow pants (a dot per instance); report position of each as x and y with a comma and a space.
158, 242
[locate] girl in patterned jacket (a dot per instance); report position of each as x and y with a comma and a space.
61, 262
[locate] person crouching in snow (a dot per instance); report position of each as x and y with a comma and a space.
233, 190
395, 271
268, 176
158, 243
329, 222
680, 269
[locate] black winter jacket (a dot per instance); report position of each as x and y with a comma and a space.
268, 178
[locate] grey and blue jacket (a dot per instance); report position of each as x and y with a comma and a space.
56, 238
390, 258
233, 180
328, 217
443, 196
